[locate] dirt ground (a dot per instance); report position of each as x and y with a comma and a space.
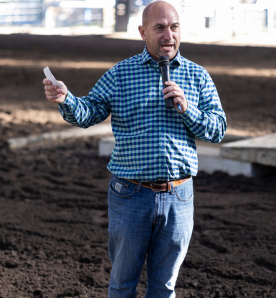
53, 210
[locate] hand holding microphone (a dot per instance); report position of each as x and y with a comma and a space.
164, 65
173, 94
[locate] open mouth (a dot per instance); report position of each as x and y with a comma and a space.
167, 46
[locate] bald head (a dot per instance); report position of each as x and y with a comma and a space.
160, 29
156, 8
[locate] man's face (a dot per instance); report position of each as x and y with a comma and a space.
161, 32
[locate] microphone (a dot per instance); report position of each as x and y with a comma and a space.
164, 65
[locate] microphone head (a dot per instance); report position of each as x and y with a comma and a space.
163, 60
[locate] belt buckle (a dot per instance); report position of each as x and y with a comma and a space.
151, 187
168, 188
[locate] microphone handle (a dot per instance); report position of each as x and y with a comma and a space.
165, 71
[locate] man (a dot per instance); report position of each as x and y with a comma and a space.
150, 198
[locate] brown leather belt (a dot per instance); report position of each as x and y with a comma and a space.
161, 186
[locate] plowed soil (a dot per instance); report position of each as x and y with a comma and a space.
53, 209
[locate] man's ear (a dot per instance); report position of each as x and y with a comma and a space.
142, 31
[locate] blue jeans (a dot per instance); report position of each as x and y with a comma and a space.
144, 223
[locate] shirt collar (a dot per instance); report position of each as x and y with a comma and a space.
145, 57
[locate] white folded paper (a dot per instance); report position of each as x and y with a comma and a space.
50, 77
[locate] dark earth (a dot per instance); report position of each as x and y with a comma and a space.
53, 209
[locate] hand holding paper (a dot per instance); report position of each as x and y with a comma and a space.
50, 77
55, 90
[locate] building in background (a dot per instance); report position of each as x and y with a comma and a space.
79, 13
213, 19
18, 12
228, 17
220, 17
54, 13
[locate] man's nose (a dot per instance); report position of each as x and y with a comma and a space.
168, 34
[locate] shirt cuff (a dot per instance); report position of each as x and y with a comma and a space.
68, 105
69, 100
191, 114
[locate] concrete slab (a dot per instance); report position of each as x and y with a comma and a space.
99, 129
209, 160
260, 150
106, 146
250, 157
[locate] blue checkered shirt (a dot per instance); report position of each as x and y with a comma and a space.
152, 143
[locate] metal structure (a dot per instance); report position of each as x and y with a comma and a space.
122, 15
16, 12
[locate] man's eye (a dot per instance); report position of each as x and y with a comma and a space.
159, 28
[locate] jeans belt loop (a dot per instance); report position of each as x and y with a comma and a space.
172, 187
139, 186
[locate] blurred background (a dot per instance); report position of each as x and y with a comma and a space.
238, 21
53, 209
235, 40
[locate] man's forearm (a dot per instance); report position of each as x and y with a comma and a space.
209, 126
82, 111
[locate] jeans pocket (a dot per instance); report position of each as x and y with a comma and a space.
183, 199
120, 187
185, 192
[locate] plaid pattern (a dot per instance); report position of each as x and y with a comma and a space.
152, 143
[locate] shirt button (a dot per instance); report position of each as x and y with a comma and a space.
162, 146
162, 128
